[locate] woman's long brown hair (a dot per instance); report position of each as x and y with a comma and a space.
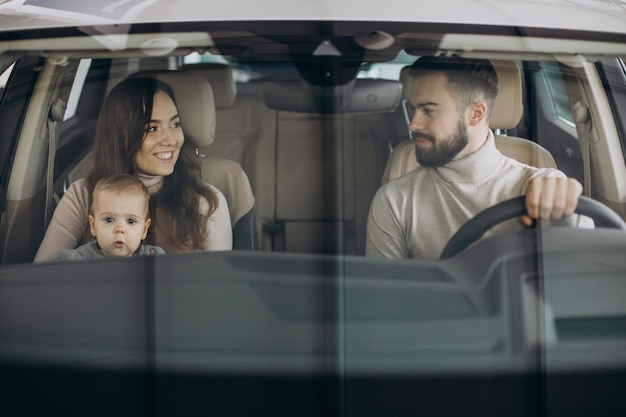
121, 129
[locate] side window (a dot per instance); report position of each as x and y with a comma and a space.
79, 122
4, 77
613, 74
558, 94
552, 121
77, 88
18, 87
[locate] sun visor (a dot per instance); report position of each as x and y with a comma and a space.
357, 96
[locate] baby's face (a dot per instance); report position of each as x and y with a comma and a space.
119, 222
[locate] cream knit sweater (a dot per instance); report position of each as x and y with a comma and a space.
415, 215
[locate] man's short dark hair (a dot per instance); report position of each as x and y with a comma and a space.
469, 80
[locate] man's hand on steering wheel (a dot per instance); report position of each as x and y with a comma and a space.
551, 198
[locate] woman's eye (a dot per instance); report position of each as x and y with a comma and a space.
151, 129
175, 125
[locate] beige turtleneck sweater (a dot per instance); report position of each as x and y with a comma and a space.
415, 215
69, 226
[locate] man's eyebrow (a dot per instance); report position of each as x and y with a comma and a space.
425, 103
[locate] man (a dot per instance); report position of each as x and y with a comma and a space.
461, 172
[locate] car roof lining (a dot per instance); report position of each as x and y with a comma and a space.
299, 39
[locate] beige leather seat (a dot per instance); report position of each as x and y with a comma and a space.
245, 132
507, 112
196, 105
286, 154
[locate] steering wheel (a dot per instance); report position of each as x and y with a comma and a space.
471, 231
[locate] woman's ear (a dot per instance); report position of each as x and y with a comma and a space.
478, 113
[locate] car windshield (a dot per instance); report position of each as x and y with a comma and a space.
348, 290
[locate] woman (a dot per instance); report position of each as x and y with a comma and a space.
139, 133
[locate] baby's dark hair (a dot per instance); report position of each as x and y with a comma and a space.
468, 80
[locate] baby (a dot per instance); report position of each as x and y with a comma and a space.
118, 219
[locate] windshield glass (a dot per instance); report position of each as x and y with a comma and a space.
308, 230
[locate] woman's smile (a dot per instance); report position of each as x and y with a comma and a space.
164, 156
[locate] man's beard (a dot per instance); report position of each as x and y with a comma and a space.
441, 151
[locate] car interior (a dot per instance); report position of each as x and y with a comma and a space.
299, 141
291, 186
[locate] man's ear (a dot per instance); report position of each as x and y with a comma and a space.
91, 225
478, 113
146, 226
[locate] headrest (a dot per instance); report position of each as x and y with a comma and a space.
405, 80
508, 107
220, 76
363, 95
194, 99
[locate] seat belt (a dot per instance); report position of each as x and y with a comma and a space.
55, 115
583, 120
